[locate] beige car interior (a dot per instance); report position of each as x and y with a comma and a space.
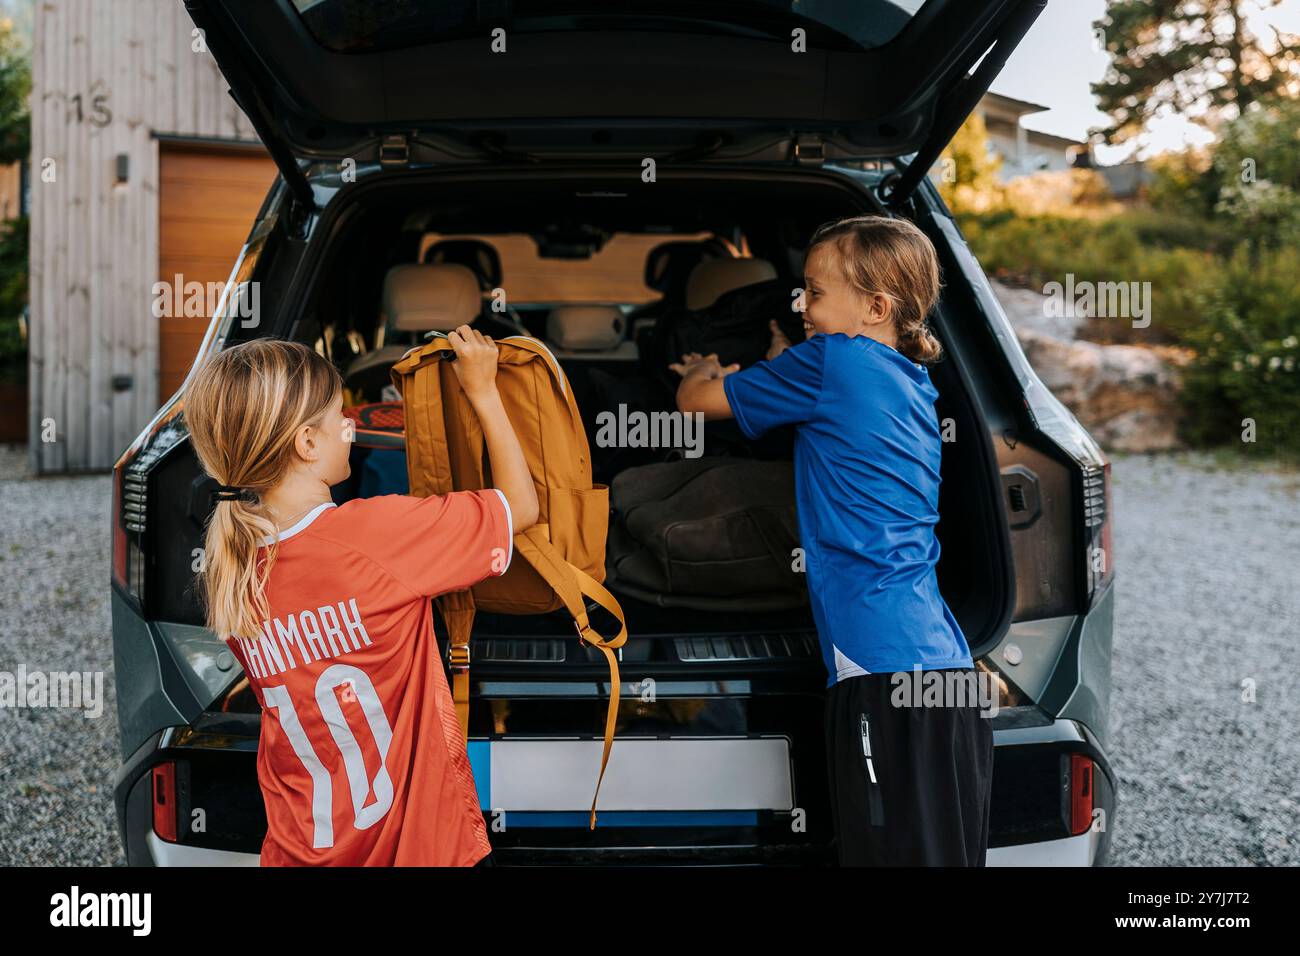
438, 297
419, 298
589, 331
715, 277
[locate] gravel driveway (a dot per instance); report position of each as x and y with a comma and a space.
56, 779
1208, 566
1208, 570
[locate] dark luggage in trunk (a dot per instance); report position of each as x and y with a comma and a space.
712, 534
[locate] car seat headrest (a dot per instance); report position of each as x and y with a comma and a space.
714, 277
586, 327
425, 298
481, 258
669, 264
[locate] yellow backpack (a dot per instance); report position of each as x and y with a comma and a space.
564, 552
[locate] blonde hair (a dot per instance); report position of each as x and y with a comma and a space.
243, 409
895, 259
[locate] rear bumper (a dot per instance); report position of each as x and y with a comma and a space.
162, 853
1079, 850
1083, 850
1026, 751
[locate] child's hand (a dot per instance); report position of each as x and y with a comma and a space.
476, 360
694, 365
779, 342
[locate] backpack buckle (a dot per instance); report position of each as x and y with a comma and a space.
449, 355
459, 657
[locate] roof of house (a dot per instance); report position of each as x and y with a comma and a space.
1013, 105
1051, 139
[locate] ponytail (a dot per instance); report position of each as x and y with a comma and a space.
243, 410
920, 345
233, 579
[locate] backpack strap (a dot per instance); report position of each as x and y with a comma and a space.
572, 585
417, 375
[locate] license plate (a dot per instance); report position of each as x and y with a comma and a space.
679, 781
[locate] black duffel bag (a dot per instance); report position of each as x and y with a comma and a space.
714, 534
735, 327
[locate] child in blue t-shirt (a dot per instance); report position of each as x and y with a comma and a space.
908, 784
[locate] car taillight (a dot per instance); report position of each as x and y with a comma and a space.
1097, 529
119, 533
130, 510
164, 800
1058, 423
1082, 771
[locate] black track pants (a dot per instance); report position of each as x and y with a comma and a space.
909, 786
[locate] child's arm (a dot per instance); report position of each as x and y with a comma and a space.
779, 341
780, 391
476, 368
701, 388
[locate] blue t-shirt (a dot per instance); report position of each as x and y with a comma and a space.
866, 460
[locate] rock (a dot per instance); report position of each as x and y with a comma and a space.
1025, 309
1127, 396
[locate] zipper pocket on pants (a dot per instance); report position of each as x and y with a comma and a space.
873, 785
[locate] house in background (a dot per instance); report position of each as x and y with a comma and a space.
1025, 151
143, 169
1127, 181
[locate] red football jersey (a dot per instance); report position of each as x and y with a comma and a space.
361, 759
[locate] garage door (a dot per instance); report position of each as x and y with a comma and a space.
208, 198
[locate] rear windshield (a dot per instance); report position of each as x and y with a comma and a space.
615, 274
363, 25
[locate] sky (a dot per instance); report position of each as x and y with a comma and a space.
1058, 59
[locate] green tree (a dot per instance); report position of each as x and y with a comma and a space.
13, 297
1263, 145
1257, 172
1182, 183
1196, 57
968, 168
15, 93
15, 145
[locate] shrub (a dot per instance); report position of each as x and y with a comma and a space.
1262, 145
1065, 192
1247, 364
1182, 184
1267, 214
970, 167
1032, 251
13, 298
1165, 230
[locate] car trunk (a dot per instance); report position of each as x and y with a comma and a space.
970, 570
780, 81
657, 89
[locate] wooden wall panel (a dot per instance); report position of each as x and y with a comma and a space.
207, 201
11, 191
108, 79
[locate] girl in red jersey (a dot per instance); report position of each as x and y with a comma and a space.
361, 759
